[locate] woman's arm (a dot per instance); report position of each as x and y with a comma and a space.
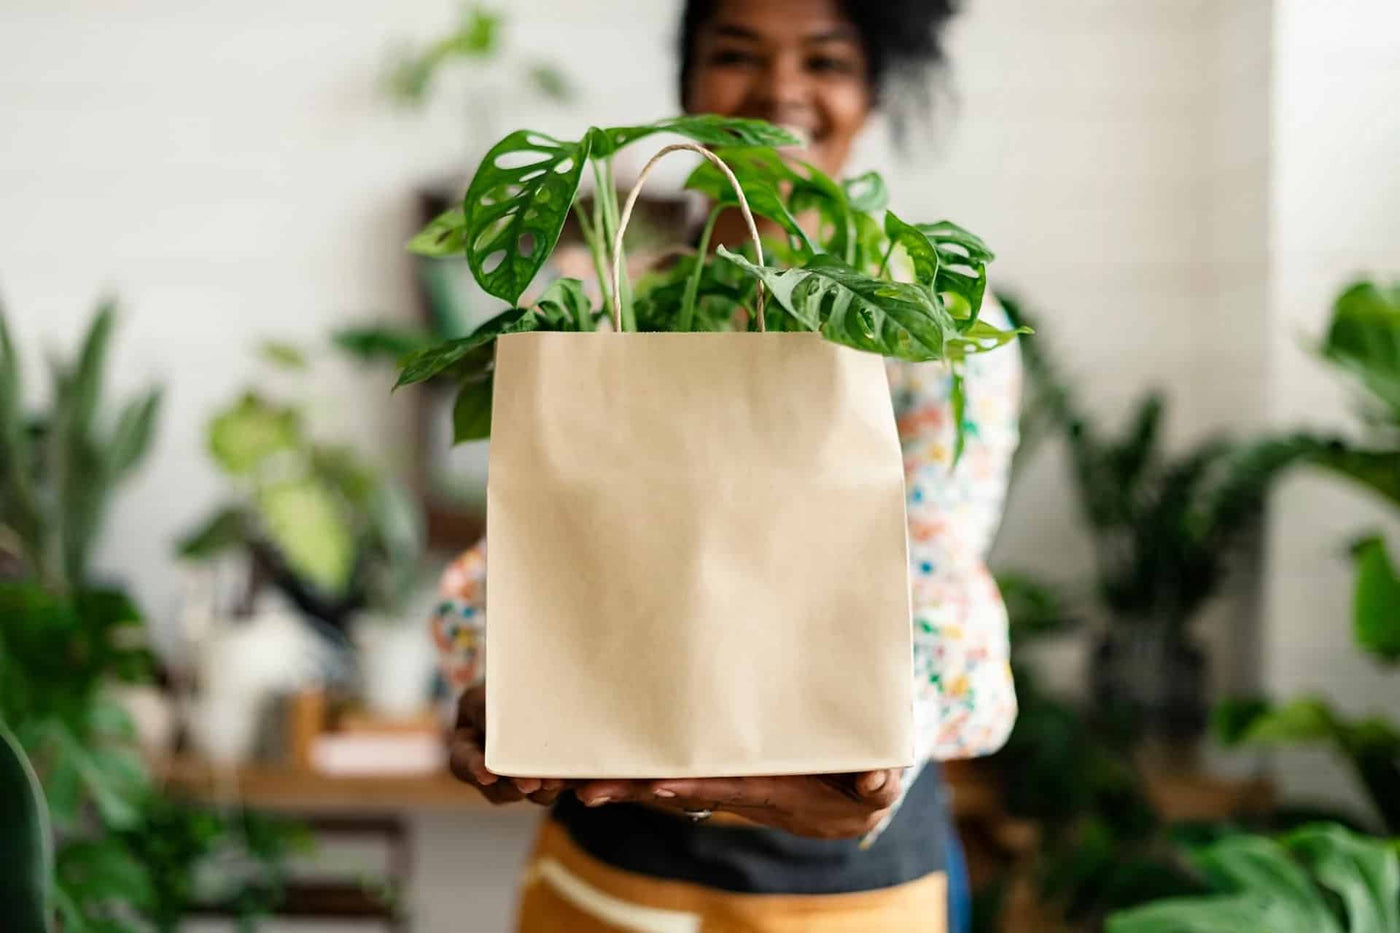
459, 631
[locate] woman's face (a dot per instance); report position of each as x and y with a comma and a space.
797, 63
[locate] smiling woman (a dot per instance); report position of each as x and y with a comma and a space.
833, 852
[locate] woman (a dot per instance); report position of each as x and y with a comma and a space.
872, 851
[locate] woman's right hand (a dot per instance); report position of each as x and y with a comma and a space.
467, 758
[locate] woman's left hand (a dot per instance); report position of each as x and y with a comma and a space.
828, 806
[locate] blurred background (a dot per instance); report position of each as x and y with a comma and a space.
203, 212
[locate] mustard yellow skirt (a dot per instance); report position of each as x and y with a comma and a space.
565, 890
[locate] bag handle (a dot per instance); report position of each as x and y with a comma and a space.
627, 215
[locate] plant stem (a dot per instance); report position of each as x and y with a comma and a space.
596, 251
692, 285
610, 212
885, 263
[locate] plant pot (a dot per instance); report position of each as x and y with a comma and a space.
396, 665
1150, 678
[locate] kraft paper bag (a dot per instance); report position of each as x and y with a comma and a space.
698, 558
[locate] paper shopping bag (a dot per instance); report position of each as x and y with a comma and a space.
698, 558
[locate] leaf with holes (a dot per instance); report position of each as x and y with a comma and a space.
867, 192
919, 248
515, 208
472, 351
962, 271
855, 309
706, 128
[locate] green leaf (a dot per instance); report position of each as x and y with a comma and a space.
1364, 338
1306, 719
1232, 914
437, 359
565, 306
223, 531
761, 174
283, 354
867, 192
860, 311
706, 128
131, 438
305, 522
253, 429
920, 249
471, 414
1376, 607
83, 387
26, 842
106, 873
1364, 873
381, 342
445, 235
1263, 868
959, 406
480, 31
515, 208
550, 82
1378, 470
962, 271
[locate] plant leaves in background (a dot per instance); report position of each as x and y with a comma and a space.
1364, 339
471, 413
131, 438
253, 429
283, 354
1376, 606
445, 235
438, 359
26, 842
1255, 722
381, 342
304, 520
515, 208
1358, 870
221, 532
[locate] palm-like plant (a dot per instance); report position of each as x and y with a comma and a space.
1364, 341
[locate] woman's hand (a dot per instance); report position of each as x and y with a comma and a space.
828, 806
467, 758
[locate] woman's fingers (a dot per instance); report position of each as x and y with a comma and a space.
879, 787
467, 761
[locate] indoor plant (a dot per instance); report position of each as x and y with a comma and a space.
1167, 529
1363, 339
66, 639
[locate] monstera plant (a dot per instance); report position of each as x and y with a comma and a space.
860, 275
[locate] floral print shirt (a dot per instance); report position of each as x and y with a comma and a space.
965, 704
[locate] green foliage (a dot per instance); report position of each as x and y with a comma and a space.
839, 282
331, 529
59, 468
26, 842
1376, 605
1319, 879
1364, 340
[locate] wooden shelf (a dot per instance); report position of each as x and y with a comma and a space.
279, 787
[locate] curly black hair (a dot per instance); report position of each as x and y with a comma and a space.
903, 42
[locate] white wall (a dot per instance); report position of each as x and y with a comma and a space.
1335, 197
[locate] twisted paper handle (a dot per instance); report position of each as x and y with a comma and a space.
627, 215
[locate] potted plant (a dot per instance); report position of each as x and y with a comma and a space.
1363, 340
1167, 529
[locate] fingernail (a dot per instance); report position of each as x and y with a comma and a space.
663, 792
487, 779
875, 782
596, 801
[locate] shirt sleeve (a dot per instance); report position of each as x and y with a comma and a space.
965, 703
458, 623
964, 698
